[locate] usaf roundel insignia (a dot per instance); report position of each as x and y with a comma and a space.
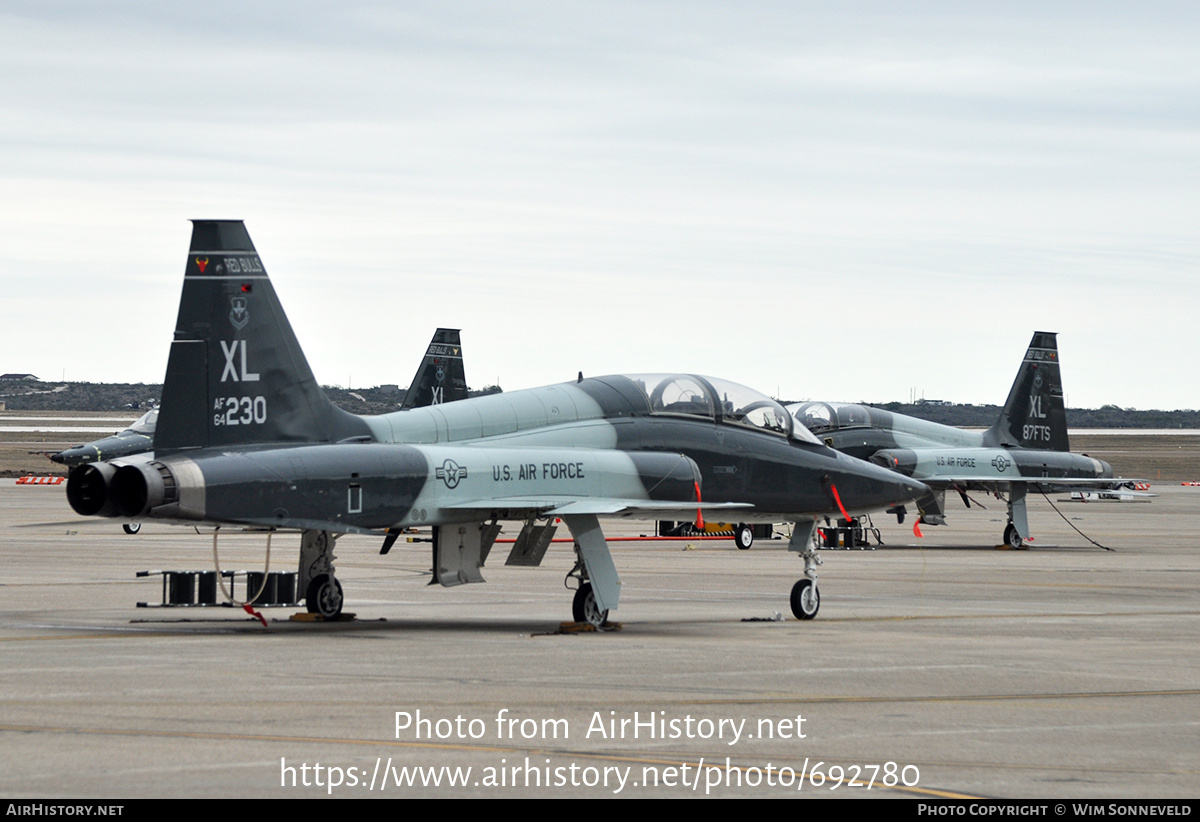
451, 472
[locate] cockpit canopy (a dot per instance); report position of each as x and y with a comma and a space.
721, 400
146, 423
820, 417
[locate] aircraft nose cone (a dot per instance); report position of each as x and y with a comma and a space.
913, 489
870, 486
75, 455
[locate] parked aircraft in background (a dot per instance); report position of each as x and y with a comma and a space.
440, 377
246, 437
136, 439
1027, 447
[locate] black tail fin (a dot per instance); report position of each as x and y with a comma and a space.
1034, 415
236, 374
441, 377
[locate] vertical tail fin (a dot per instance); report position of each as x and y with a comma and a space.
440, 377
1035, 415
236, 374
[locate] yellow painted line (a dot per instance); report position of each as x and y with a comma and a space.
248, 737
1025, 616
808, 699
783, 699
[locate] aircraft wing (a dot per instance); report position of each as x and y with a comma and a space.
599, 506
951, 481
557, 506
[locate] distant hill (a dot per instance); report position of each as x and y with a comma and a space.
136, 397
94, 396
1108, 416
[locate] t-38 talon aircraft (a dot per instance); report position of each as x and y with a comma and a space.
1026, 447
245, 437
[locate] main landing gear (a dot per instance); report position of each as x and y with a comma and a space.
1017, 530
324, 597
599, 587
585, 608
322, 591
1012, 538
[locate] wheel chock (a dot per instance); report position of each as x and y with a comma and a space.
587, 627
305, 616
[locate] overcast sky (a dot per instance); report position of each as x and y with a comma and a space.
841, 201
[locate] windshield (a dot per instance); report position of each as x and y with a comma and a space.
146, 423
717, 399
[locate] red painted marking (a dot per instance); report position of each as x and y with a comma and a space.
838, 500
202, 264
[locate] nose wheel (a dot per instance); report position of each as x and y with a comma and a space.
585, 609
1013, 539
806, 599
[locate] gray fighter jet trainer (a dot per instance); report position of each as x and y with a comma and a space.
246, 437
1026, 448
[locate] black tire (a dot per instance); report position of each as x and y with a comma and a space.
743, 535
132, 528
1012, 539
585, 609
806, 599
324, 597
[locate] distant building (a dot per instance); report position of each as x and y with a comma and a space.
389, 389
30, 377
924, 401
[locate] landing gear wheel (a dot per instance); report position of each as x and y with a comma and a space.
132, 528
1012, 539
806, 599
585, 608
743, 535
324, 597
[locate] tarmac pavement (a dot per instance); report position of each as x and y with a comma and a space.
1057, 672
